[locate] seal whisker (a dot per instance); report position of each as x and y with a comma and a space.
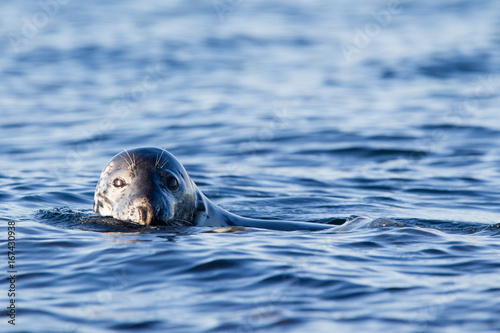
128, 163
132, 162
162, 151
159, 158
156, 161
166, 160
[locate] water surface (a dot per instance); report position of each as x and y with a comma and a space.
294, 110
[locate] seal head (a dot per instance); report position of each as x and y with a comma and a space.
147, 186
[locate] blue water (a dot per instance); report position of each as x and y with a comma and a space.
293, 110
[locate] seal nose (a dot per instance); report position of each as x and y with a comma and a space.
146, 214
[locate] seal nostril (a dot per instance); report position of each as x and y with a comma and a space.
146, 214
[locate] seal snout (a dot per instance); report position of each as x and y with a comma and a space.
146, 213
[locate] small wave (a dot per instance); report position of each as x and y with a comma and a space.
363, 152
451, 226
440, 66
451, 64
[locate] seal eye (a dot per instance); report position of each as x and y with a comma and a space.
170, 181
118, 183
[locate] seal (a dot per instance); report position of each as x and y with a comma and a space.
150, 186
